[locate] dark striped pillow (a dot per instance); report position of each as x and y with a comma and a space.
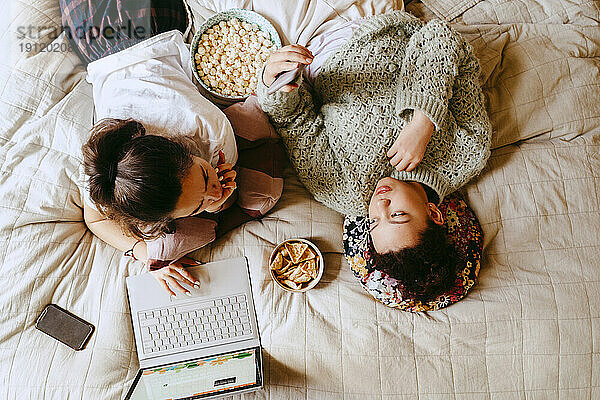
100, 28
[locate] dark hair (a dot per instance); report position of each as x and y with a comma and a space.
426, 270
135, 178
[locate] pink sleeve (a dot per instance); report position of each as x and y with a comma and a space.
261, 158
191, 233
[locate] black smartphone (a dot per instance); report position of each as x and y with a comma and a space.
64, 326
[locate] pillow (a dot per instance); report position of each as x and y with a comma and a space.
102, 29
298, 21
463, 231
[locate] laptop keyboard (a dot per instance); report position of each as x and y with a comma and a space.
197, 323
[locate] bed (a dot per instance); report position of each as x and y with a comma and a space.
529, 329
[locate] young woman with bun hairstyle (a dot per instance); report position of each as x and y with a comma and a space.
140, 183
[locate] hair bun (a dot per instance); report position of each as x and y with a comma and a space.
109, 142
133, 128
115, 139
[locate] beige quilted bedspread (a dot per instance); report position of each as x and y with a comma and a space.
530, 328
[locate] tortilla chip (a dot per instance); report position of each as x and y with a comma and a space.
291, 284
291, 268
277, 263
307, 255
296, 274
291, 272
309, 267
303, 278
295, 249
287, 264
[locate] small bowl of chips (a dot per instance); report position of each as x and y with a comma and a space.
296, 265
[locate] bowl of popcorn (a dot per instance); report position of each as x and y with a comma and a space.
296, 265
229, 49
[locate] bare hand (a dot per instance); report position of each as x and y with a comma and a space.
169, 276
226, 175
285, 59
409, 148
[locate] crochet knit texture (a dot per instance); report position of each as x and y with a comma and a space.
365, 93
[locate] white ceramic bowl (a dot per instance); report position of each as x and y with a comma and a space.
243, 15
320, 266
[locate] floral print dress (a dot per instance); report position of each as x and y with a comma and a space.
463, 231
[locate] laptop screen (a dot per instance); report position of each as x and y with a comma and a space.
199, 378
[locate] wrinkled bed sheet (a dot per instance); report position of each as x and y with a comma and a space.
529, 329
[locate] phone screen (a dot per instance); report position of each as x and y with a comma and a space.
64, 326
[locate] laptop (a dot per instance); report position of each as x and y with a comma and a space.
198, 347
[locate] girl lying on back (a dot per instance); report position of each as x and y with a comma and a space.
394, 123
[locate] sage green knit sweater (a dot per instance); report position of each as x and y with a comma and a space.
338, 136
